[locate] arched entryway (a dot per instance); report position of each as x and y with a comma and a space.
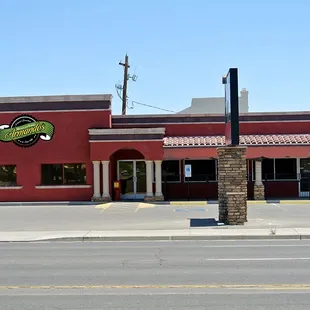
129, 167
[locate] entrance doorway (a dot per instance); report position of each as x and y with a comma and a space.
304, 190
132, 174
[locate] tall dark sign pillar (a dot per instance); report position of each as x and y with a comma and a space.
232, 180
231, 107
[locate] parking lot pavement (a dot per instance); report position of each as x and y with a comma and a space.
143, 216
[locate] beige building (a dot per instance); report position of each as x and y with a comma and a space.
216, 105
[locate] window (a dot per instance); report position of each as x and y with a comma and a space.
202, 170
170, 171
51, 175
279, 169
7, 175
286, 169
305, 175
248, 172
253, 174
66, 174
268, 169
75, 174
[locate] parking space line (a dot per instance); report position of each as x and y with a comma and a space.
144, 205
103, 206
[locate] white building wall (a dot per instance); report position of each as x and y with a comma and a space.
216, 105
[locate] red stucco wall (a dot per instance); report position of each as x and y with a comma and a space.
151, 150
69, 145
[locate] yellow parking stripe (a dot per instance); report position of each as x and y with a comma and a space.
144, 205
103, 206
295, 202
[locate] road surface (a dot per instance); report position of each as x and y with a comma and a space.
155, 275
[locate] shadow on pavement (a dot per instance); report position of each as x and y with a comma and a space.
206, 222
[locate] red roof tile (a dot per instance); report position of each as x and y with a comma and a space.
295, 139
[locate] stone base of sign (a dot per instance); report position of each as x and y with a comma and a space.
232, 185
259, 192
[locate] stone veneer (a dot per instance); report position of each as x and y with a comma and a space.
259, 192
153, 198
101, 199
232, 185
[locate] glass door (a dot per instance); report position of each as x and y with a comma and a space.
126, 177
140, 179
132, 175
304, 177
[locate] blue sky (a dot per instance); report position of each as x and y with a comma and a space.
178, 49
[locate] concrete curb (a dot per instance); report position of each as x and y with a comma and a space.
51, 203
249, 202
162, 238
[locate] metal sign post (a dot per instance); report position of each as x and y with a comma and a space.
188, 174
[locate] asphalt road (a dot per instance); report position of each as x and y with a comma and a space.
135, 216
157, 275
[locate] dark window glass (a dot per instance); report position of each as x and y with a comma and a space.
253, 173
305, 175
268, 169
305, 165
51, 174
7, 175
286, 169
249, 172
74, 174
202, 170
170, 171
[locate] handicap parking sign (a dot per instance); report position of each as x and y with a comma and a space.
188, 171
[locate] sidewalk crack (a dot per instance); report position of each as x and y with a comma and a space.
297, 233
83, 238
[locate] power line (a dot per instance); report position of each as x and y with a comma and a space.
149, 106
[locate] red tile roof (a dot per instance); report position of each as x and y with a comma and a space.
295, 139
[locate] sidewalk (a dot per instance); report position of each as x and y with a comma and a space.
223, 233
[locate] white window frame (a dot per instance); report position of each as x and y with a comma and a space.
274, 171
154, 176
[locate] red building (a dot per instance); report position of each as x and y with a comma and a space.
71, 148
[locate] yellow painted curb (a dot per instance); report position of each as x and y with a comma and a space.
295, 202
188, 203
256, 202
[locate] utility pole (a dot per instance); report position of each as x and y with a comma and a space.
126, 66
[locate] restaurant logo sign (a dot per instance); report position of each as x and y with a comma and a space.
26, 131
